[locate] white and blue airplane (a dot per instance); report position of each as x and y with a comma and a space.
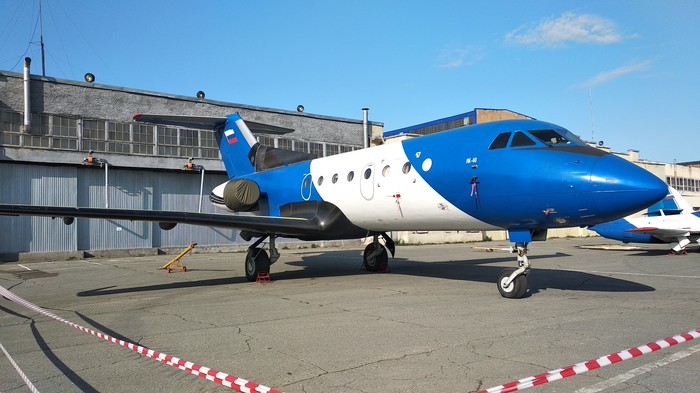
525, 176
672, 220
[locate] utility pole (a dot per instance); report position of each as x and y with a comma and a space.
41, 38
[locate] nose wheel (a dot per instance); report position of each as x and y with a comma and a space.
516, 288
512, 282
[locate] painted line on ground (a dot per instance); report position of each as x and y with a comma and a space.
614, 381
593, 364
215, 376
632, 274
23, 267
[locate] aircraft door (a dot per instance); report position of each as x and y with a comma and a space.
367, 181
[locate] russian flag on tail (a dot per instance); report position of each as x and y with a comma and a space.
230, 136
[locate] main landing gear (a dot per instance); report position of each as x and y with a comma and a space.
375, 257
512, 282
257, 260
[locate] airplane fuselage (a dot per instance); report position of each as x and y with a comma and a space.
464, 180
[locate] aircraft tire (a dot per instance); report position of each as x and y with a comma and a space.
256, 261
375, 257
516, 289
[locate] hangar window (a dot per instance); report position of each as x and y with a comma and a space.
65, 133
351, 175
93, 135
10, 125
39, 133
208, 146
167, 141
334, 179
501, 141
550, 137
332, 150
284, 143
119, 137
520, 139
301, 146
406, 167
189, 142
143, 139
316, 149
266, 140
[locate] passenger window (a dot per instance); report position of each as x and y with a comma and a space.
335, 178
386, 170
520, 139
406, 167
501, 141
320, 180
368, 173
351, 175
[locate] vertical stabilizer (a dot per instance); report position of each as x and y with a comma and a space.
237, 145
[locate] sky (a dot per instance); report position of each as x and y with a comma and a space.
626, 72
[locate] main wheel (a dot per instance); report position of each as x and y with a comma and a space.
375, 257
256, 261
516, 289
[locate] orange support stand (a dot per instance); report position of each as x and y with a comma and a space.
175, 263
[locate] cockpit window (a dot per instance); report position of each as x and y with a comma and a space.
520, 139
550, 137
501, 141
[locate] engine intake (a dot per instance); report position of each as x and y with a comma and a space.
241, 195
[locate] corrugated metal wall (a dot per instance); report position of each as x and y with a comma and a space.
85, 186
34, 184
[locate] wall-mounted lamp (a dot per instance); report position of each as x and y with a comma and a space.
200, 95
300, 108
90, 78
90, 160
191, 166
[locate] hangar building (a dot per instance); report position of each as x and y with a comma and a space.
134, 165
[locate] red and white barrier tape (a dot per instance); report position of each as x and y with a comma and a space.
218, 377
593, 364
19, 370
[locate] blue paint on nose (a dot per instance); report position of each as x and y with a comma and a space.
621, 188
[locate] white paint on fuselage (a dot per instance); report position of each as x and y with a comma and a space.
388, 199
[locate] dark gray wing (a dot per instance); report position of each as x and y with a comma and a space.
318, 222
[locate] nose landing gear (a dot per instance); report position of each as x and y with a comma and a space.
512, 282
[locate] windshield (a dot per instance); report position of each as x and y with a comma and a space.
556, 137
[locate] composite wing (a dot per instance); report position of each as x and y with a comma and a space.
297, 227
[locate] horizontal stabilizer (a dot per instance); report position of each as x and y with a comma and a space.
208, 123
201, 122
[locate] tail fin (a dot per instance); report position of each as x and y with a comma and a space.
237, 145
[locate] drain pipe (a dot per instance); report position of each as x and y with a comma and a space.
365, 127
27, 109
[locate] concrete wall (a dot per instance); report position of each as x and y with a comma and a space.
96, 101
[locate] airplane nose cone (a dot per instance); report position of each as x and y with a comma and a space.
621, 188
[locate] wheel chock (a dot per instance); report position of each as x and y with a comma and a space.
263, 278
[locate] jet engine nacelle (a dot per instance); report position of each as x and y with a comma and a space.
166, 226
241, 195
